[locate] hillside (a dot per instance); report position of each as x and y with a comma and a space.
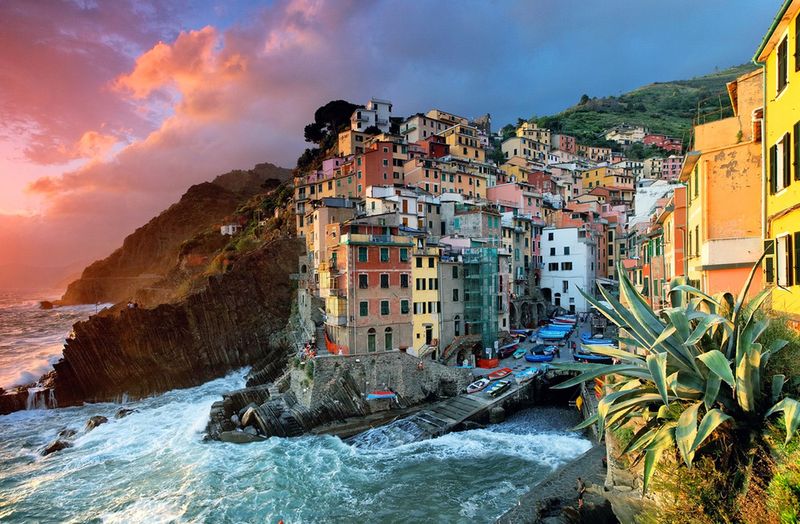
155, 250
663, 107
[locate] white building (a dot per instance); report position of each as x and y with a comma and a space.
419, 127
376, 113
568, 255
230, 229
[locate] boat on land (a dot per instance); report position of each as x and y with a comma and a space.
500, 373
591, 358
519, 353
544, 349
552, 335
498, 387
478, 385
381, 395
539, 358
526, 374
507, 350
586, 338
564, 320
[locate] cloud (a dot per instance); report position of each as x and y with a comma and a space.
154, 97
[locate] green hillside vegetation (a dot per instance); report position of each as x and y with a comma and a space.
663, 107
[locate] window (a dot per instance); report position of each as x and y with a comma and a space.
384, 254
455, 271
455, 295
784, 257
549, 236
566, 266
419, 261
384, 280
387, 339
403, 280
566, 250
552, 251
552, 266
362, 254
797, 44
782, 65
404, 307
363, 281
363, 308
371, 340
384, 307
564, 286
403, 254
696, 240
457, 326
430, 261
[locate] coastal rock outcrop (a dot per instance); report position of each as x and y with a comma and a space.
56, 445
236, 320
95, 421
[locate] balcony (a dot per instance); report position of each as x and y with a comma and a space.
743, 251
360, 238
408, 130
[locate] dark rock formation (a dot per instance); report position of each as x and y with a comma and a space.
236, 320
148, 254
11, 401
56, 445
124, 412
67, 433
95, 421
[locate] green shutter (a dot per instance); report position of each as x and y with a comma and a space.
769, 261
787, 164
796, 258
773, 169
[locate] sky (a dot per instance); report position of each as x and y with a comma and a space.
110, 110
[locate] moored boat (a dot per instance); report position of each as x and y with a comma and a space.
592, 358
519, 353
478, 385
380, 395
498, 387
597, 340
539, 358
500, 373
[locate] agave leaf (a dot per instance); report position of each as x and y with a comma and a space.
711, 420
694, 291
686, 431
611, 351
587, 422
754, 305
716, 362
628, 370
657, 364
651, 459
746, 380
777, 386
791, 415
663, 411
662, 440
642, 437
668, 332
703, 326
712, 390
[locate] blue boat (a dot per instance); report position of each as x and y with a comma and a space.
559, 327
380, 395
592, 358
586, 338
539, 358
552, 335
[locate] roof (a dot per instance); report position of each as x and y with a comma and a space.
784, 16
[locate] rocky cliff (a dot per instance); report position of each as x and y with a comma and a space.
236, 320
150, 253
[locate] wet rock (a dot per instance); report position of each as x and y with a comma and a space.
235, 420
250, 430
496, 415
244, 410
95, 421
239, 437
67, 433
56, 445
469, 425
124, 412
46, 304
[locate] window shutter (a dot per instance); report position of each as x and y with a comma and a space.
797, 45
789, 262
773, 170
797, 258
796, 149
769, 261
787, 155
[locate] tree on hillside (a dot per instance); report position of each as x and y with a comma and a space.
329, 119
584, 100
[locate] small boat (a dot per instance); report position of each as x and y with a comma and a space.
380, 395
552, 335
519, 353
526, 375
500, 373
562, 320
478, 385
507, 350
544, 349
597, 340
592, 358
539, 358
498, 387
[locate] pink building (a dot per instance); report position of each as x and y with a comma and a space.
671, 167
664, 142
564, 143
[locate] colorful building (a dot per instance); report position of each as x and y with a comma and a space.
724, 240
779, 56
426, 301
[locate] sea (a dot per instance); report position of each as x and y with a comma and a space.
154, 465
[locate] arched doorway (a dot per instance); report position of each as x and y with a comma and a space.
387, 339
371, 340
457, 325
547, 293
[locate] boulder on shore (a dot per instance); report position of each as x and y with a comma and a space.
56, 445
95, 421
124, 412
67, 433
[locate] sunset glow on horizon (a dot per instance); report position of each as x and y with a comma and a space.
109, 111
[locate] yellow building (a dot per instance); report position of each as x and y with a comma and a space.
464, 143
779, 55
425, 300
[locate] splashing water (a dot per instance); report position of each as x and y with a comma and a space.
153, 466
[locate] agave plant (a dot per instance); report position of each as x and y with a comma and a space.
695, 369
